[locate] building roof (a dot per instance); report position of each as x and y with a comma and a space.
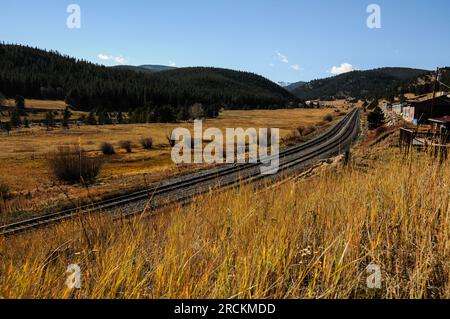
428, 96
443, 99
443, 120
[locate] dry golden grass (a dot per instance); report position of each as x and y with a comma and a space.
23, 164
309, 239
41, 104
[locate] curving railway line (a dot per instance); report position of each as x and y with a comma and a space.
182, 189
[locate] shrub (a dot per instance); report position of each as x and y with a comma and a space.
107, 149
306, 130
170, 140
381, 130
375, 118
309, 129
127, 146
328, 118
71, 164
4, 189
147, 143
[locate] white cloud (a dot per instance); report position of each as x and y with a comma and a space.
120, 60
343, 68
103, 57
116, 59
282, 57
296, 67
172, 64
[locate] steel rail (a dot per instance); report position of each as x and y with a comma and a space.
210, 175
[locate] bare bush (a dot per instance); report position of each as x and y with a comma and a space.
301, 130
322, 123
306, 130
170, 140
4, 189
71, 164
381, 130
127, 146
107, 149
328, 118
147, 143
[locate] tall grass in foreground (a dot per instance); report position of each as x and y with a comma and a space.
310, 239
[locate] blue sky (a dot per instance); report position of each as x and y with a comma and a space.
284, 40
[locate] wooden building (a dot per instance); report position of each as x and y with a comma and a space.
420, 111
441, 125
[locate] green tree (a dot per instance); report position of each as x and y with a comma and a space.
49, 120
2, 100
15, 118
165, 114
375, 118
26, 122
103, 118
7, 127
20, 104
91, 120
183, 114
120, 118
66, 117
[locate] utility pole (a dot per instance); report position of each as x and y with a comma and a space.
434, 90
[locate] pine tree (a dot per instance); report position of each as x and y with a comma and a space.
49, 120
2, 100
375, 118
7, 127
183, 114
15, 118
66, 117
91, 120
26, 123
120, 118
20, 101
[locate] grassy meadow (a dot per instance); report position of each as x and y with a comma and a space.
311, 238
23, 165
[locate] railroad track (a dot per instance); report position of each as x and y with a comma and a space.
335, 140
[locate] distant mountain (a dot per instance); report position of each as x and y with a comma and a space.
293, 86
283, 84
145, 68
357, 84
40, 74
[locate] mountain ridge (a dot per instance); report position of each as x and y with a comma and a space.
41, 74
358, 84
146, 68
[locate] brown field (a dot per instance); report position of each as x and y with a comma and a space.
23, 166
41, 104
310, 238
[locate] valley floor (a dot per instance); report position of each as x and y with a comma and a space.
320, 237
23, 165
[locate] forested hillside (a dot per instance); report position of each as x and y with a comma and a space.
424, 83
39, 74
144, 68
358, 84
